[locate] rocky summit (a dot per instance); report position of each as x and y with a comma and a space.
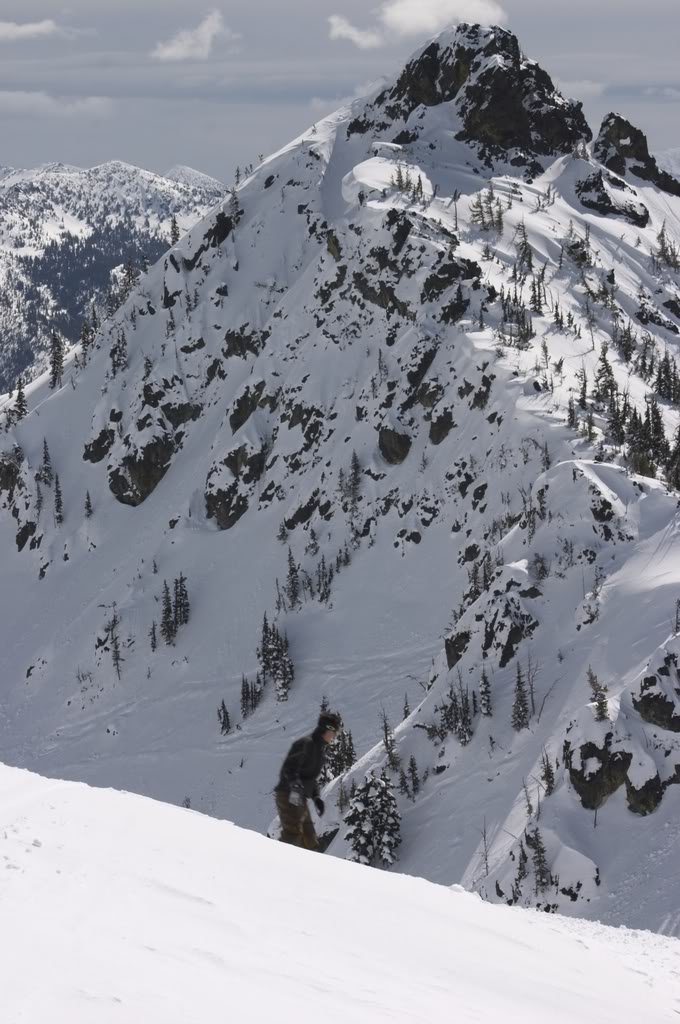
393, 429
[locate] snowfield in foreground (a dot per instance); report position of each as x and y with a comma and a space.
118, 908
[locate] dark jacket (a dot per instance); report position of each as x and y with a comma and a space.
302, 765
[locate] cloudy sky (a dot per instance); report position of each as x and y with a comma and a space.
212, 85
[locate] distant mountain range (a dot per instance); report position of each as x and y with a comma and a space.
64, 229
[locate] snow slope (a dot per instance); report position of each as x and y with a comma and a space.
331, 308
119, 908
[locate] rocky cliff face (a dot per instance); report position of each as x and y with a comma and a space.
498, 102
622, 148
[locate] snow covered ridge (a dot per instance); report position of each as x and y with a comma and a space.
414, 397
62, 232
140, 887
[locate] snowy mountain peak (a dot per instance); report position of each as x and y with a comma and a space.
192, 177
499, 102
623, 149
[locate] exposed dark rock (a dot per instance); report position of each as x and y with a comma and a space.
226, 506
447, 275
649, 315
594, 195
246, 464
304, 513
646, 799
673, 305
622, 148
242, 343
169, 298
215, 370
383, 296
193, 347
455, 647
139, 474
98, 449
24, 533
181, 413
333, 246
401, 228
417, 375
216, 234
394, 447
440, 428
10, 471
595, 787
245, 405
508, 103
656, 708
326, 290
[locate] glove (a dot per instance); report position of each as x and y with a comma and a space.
296, 797
320, 806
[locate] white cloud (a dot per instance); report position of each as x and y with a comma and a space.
40, 104
416, 18
365, 39
10, 31
195, 43
583, 89
663, 92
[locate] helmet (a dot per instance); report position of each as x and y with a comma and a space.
329, 720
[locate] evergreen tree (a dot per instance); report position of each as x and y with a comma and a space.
20, 404
168, 631
38, 498
389, 743
407, 707
56, 360
116, 656
264, 651
174, 231
153, 636
293, 582
58, 502
520, 706
547, 774
245, 697
224, 719
599, 694
485, 696
413, 775
374, 822
180, 605
44, 472
535, 843
582, 378
88, 505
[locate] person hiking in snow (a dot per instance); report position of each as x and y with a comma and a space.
298, 782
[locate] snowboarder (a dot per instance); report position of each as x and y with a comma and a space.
298, 782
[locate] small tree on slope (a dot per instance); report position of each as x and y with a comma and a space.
374, 831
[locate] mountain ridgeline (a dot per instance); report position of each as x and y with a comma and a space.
393, 429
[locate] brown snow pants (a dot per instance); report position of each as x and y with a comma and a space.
296, 823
